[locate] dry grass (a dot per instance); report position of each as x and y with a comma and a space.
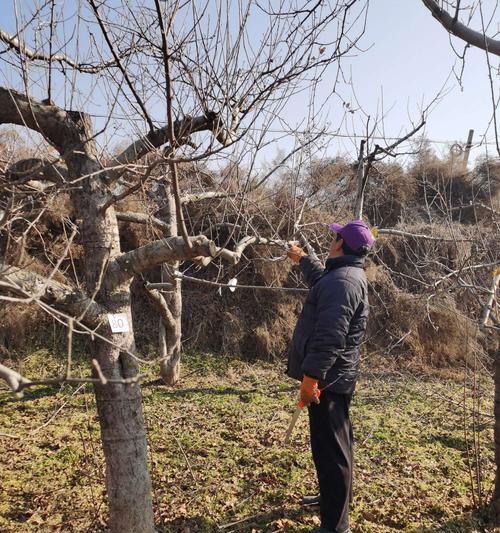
217, 454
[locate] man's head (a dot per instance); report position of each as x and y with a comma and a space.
355, 238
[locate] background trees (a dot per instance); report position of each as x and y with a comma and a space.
491, 45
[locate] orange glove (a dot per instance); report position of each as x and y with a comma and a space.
309, 392
295, 253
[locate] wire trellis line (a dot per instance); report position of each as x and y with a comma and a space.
179, 275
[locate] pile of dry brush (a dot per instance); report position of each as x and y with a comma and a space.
426, 295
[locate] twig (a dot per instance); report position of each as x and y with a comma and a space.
99, 372
188, 463
236, 522
400, 233
60, 408
10, 436
70, 347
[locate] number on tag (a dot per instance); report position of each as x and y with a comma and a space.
118, 322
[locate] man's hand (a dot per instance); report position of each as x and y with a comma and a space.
295, 252
309, 392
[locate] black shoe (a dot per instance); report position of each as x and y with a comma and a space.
310, 501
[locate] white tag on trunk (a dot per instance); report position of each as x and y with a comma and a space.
118, 322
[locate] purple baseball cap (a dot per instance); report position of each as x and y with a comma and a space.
356, 234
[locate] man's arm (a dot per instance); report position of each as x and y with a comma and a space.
312, 269
337, 303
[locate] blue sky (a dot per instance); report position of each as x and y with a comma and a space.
409, 58
406, 59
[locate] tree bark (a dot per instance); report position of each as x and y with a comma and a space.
170, 327
169, 338
124, 443
169, 250
119, 407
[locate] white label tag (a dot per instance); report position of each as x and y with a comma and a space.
118, 322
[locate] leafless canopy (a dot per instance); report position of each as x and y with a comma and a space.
113, 98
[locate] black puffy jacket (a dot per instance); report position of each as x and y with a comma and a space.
332, 324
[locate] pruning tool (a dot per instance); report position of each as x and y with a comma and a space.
294, 419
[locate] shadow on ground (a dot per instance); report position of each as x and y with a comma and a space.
162, 389
188, 525
267, 522
264, 522
28, 394
476, 522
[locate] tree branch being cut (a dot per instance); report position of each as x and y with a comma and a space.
169, 250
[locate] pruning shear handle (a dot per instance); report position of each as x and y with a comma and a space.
294, 419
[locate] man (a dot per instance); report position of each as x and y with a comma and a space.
324, 356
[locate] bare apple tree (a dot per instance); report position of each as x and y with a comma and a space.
187, 81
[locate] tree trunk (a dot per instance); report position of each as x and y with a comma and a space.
119, 407
496, 495
170, 346
170, 331
124, 443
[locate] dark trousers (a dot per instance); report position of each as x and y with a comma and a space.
331, 443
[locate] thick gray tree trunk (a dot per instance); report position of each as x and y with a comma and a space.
119, 407
124, 443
